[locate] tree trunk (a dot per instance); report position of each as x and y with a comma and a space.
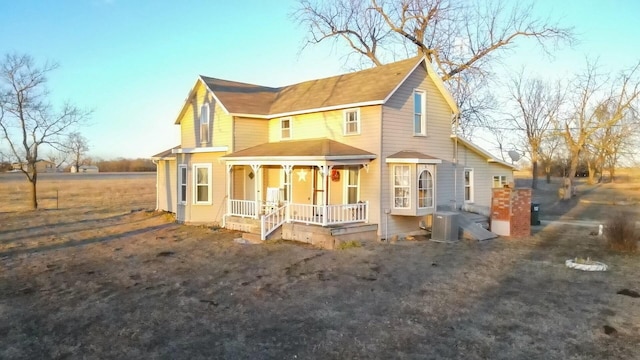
34, 197
612, 173
534, 170
573, 167
592, 173
547, 171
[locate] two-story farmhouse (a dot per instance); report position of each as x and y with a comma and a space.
372, 147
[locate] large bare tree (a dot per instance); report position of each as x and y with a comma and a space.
599, 102
78, 147
457, 36
28, 121
535, 108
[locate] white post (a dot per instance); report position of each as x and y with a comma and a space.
228, 191
366, 212
256, 186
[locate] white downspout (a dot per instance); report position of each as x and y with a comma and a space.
455, 162
155, 162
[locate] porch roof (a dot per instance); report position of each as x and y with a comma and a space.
166, 155
312, 149
412, 157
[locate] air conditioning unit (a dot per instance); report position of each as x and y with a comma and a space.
445, 226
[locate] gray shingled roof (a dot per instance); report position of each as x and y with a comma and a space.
165, 154
325, 148
369, 85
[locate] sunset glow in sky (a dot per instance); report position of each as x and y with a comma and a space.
134, 62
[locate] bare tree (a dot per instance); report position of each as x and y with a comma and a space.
549, 148
599, 102
78, 147
535, 106
57, 157
461, 38
27, 120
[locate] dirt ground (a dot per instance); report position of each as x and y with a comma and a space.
105, 277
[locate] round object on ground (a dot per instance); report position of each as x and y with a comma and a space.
590, 266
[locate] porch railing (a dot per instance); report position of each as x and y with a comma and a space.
243, 208
272, 217
329, 214
271, 221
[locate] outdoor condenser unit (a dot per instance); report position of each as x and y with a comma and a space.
445, 226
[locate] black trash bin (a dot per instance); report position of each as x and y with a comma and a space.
535, 214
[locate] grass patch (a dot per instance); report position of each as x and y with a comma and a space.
349, 245
621, 233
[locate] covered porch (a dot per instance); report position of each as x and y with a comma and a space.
314, 182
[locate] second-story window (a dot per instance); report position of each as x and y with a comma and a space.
285, 128
419, 118
352, 122
204, 123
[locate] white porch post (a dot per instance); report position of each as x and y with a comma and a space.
324, 171
256, 186
288, 170
228, 191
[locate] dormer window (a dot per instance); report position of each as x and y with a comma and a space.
285, 128
204, 123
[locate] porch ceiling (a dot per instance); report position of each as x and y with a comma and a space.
302, 150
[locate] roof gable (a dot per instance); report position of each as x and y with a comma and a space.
367, 87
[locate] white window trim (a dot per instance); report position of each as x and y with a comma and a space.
290, 128
182, 181
345, 118
502, 179
423, 115
204, 121
394, 186
345, 196
433, 200
471, 185
195, 184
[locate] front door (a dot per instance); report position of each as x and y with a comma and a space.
318, 187
249, 183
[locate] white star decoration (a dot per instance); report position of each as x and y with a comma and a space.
302, 175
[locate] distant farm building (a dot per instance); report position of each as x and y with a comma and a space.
42, 166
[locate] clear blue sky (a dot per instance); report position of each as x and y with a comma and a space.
135, 61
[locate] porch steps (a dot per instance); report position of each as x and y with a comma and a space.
250, 229
472, 226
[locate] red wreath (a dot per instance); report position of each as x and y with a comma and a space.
335, 175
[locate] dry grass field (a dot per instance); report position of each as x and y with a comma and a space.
99, 278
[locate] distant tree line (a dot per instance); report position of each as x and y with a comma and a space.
125, 165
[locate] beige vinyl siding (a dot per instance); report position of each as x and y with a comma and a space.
330, 125
249, 132
220, 133
167, 186
483, 172
204, 214
397, 135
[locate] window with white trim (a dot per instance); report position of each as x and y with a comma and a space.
285, 128
352, 184
204, 123
202, 184
419, 118
182, 184
401, 186
351, 122
499, 181
425, 189
468, 185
